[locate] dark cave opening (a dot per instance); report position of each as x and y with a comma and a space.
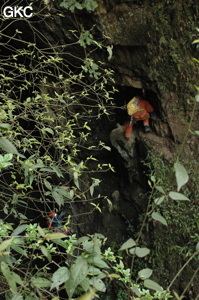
126, 93
132, 174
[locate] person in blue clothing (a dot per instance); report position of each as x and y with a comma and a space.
54, 222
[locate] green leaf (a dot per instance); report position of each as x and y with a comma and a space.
85, 284
40, 282
95, 183
92, 247
195, 42
57, 171
145, 273
78, 6
79, 270
110, 51
196, 132
36, 166
47, 185
70, 287
107, 148
31, 178
88, 296
156, 216
54, 236
197, 246
19, 250
71, 194
75, 174
19, 229
60, 276
91, 190
16, 278
197, 98
7, 146
6, 157
150, 284
5, 244
58, 197
178, 196
46, 170
78, 273
64, 193
49, 130
8, 275
181, 175
23, 217
18, 297
128, 244
94, 271
5, 126
90, 5
140, 252
76, 182
98, 284
159, 200
46, 253
61, 243
82, 239
41, 231
159, 188
97, 261
5, 164
136, 291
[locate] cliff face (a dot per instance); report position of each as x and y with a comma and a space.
149, 47
151, 41
151, 54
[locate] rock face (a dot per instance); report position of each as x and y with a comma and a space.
125, 23
151, 58
145, 43
149, 47
124, 148
148, 44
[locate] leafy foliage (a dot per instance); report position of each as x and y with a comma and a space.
49, 99
181, 175
86, 270
48, 103
167, 48
45, 124
89, 5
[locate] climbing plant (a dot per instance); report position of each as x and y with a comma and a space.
50, 101
170, 50
89, 5
47, 112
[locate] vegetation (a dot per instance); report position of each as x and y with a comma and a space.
50, 101
173, 50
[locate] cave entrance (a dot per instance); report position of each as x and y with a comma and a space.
126, 93
136, 174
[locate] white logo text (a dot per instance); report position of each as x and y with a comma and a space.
14, 12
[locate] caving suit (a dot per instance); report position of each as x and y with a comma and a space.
139, 110
54, 222
143, 114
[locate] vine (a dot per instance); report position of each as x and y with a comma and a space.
50, 100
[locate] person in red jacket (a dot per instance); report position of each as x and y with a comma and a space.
138, 109
54, 222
